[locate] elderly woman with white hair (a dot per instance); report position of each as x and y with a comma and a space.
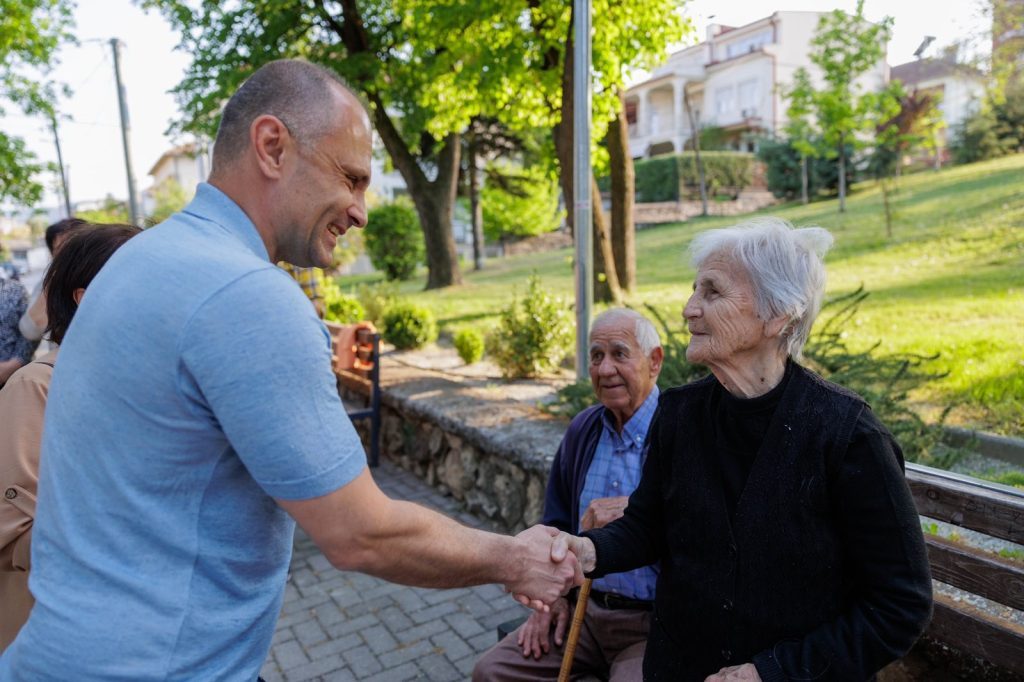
789, 543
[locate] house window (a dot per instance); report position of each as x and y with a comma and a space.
724, 100
747, 95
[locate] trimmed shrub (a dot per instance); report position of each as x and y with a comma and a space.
782, 170
674, 176
533, 335
343, 309
407, 325
394, 239
469, 343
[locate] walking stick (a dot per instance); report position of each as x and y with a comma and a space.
574, 631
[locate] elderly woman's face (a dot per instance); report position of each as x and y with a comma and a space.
721, 314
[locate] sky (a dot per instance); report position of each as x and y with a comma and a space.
90, 132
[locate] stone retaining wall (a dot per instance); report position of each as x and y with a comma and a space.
471, 437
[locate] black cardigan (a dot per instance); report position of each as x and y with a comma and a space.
821, 574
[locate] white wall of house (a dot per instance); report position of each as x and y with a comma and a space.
960, 98
736, 80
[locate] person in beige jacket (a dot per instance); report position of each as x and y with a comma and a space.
22, 404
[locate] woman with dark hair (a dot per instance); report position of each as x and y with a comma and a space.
33, 321
22, 402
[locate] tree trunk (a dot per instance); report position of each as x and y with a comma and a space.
804, 198
434, 200
623, 185
606, 283
476, 208
842, 176
701, 181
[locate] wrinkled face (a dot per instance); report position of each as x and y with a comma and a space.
621, 374
325, 195
722, 315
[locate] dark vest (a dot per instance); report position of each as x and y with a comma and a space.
730, 588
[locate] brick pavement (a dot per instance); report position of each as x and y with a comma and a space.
340, 625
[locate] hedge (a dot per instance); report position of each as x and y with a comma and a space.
673, 176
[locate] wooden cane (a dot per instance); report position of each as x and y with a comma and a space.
574, 631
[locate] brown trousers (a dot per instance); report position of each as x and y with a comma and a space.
611, 647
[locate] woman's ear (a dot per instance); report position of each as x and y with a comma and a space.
775, 326
78, 294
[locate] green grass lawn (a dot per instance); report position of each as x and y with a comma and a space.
949, 281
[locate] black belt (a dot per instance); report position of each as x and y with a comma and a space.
616, 601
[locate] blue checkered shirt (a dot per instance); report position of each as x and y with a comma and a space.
615, 471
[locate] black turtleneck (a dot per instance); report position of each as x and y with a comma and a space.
739, 426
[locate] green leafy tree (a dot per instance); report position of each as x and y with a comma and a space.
800, 129
394, 240
110, 211
520, 203
367, 42
30, 33
515, 61
170, 198
844, 47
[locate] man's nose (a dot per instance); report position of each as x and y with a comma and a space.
357, 212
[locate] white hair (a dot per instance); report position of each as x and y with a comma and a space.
643, 329
785, 264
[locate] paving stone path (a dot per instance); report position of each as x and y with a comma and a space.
339, 625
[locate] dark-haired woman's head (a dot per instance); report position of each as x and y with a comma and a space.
79, 258
57, 233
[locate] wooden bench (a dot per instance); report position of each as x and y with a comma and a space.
993, 510
362, 378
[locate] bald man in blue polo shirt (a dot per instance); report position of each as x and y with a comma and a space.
193, 419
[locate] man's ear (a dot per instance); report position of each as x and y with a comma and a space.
270, 139
657, 357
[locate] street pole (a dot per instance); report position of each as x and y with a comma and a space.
133, 206
60, 164
582, 219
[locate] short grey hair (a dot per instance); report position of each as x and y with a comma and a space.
643, 329
785, 264
298, 93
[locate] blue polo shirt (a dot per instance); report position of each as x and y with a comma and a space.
193, 387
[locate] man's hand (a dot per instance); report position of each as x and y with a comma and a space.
547, 568
535, 635
586, 553
603, 511
735, 673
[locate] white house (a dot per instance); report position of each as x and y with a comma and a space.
734, 80
959, 88
187, 164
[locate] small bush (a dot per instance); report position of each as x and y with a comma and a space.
533, 334
406, 326
469, 343
343, 309
376, 298
394, 240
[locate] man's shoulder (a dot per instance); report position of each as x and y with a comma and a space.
585, 418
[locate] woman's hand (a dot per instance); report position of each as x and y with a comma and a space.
735, 673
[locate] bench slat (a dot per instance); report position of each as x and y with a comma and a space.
960, 625
974, 570
989, 508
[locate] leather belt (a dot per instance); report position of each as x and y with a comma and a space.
614, 601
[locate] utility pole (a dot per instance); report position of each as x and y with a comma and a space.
133, 206
582, 214
60, 164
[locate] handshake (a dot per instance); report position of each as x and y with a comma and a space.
545, 564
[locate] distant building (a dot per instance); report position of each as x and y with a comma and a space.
734, 80
187, 164
958, 88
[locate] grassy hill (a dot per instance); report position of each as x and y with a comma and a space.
949, 281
